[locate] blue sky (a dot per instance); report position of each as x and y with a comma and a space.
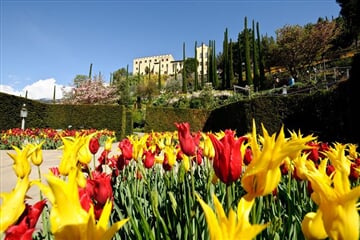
49, 42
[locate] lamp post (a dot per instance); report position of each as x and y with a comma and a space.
23, 115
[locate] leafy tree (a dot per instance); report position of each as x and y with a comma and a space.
350, 10
190, 67
79, 79
269, 49
147, 88
301, 47
119, 75
91, 92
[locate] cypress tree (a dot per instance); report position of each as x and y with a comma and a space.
240, 79
175, 72
139, 72
202, 66
184, 83
90, 71
247, 54
214, 67
255, 59
261, 58
209, 63
196, 81
127, 72
225, 81
159, 78
54, 95
230, 64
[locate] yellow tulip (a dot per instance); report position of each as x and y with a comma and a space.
235, 225
170, 153
84, 155
334, 196
36, 153
108, 143
13, 204
139, 144
21, 164
353, 154
209, 150
263, 173
300, 165
186, 161
69, 158
312, 226
168, 136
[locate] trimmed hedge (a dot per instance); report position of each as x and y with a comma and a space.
329, 115
59, 116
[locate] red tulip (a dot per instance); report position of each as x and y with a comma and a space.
314, 152
329, 169
187, 142
248, 156
94, 145
126, 149
199, 156
96, 192
55, 171
354, 174
149, 159
101, 187
228, 160
27, 222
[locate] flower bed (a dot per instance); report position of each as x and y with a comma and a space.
51, 137
185, 185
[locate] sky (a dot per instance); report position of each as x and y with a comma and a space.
46, 43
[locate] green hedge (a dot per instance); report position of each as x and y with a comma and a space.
59, 116
163, 119
328, 114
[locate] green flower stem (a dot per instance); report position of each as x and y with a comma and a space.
43, 213
228, 197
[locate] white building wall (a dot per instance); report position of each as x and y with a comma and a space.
167, 63
202, 52
152, 62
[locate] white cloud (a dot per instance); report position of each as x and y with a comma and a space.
37, 90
